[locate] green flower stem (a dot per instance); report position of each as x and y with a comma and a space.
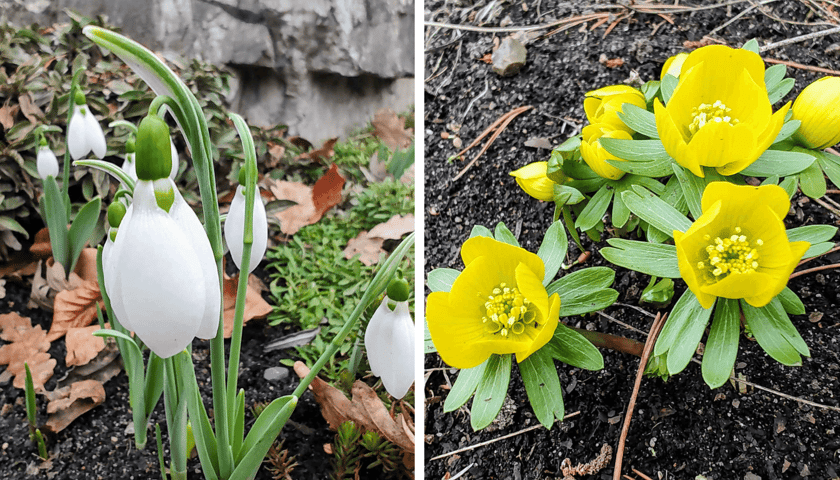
377, 286
176, 422
123, 123
109, 168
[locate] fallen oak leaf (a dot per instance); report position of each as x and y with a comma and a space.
390, 128
366, 247
13, 325
255, 305
75, 308
82, 345
71, 402
327, 192
394, 228
41, 366
310, 203
322, 154
28, 345
366, 409
7, 114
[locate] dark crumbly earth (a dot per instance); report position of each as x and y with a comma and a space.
97, 446
680, 429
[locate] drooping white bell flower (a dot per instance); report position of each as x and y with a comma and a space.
157, 288
186, 218
47, 163
389, 341
84, 134
128, 166
176, 162
235, 229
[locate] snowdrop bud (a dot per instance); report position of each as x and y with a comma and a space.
389, 341
153, 159
158, 287
235, 229
84, 134
47, 163
116, 212
186, 218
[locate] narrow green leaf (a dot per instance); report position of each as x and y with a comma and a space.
57, 223
595, 209
751, 45
780, 90
481, 231
553, 249
441, 279
831, 166
639, 119
566, 195
658, 260
667, 87
818, 249
722, 344
653, 210
543, 387
686, 341
811, 233
788, 129
778, 162
491, 391
790, 184
82, 228
683, 311
572, 348
464, 387
692, 188
262, 436
153, 383
774, 75
620, 212
791, 302
769, 336
783, 324
238, 427
428, 343
581, 282
812, 181
503, 234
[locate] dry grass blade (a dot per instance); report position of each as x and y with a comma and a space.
658, 322
505, 121
802, 66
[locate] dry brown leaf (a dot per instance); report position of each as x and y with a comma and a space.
29, 109
105, 366
366, 247
48, 281
86, 265
41, 248
322, 154
301, 143
394, 228
82, 345
255, 306
377, 169
7, 115
275, 154
69, 403
75, 308
28, 345
311, 203
390, 128
12, 326
20, 264
365, 410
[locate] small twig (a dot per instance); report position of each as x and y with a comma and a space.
802, 66
803, 262
800, 38
658, 322
827, 206
815, 269
469, 105
645, 477
462, 472
510, 116
736, 17
634, 307
615, 320
488, 442
545, 26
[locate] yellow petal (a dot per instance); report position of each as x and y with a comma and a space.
673, 139
546, 330
454, 337
816, 108
595, 155
533, 180
501, 252
773, 196
532, 288
797, 249
729, 60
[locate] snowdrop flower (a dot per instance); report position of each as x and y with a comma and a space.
176, 162
160, 271
389, 341
235, 227
84, 134
47, 163
128, 162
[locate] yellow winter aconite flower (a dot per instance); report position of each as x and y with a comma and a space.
532, 178
602, 105
595, 155
738, 248
496, 305
719, 114
816, 108
673, 65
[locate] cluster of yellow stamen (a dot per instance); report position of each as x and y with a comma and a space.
705, 113
733, 254
506, 311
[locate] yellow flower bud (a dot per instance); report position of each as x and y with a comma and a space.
532, 178
595, 155
603, 105
816, 108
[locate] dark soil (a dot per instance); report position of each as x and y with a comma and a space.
681, 428
96, 445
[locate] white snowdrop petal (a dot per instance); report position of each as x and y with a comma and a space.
176, 162
47, 163
197, 238
110, 272
235, 229
160, 278
389, 341
76, 137
128, 166
94, 134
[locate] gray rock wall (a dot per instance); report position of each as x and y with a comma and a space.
323, 67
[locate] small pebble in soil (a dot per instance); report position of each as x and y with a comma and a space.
276, 374
509, 58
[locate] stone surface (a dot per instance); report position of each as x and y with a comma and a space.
322, 67
276, 374
509, 58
